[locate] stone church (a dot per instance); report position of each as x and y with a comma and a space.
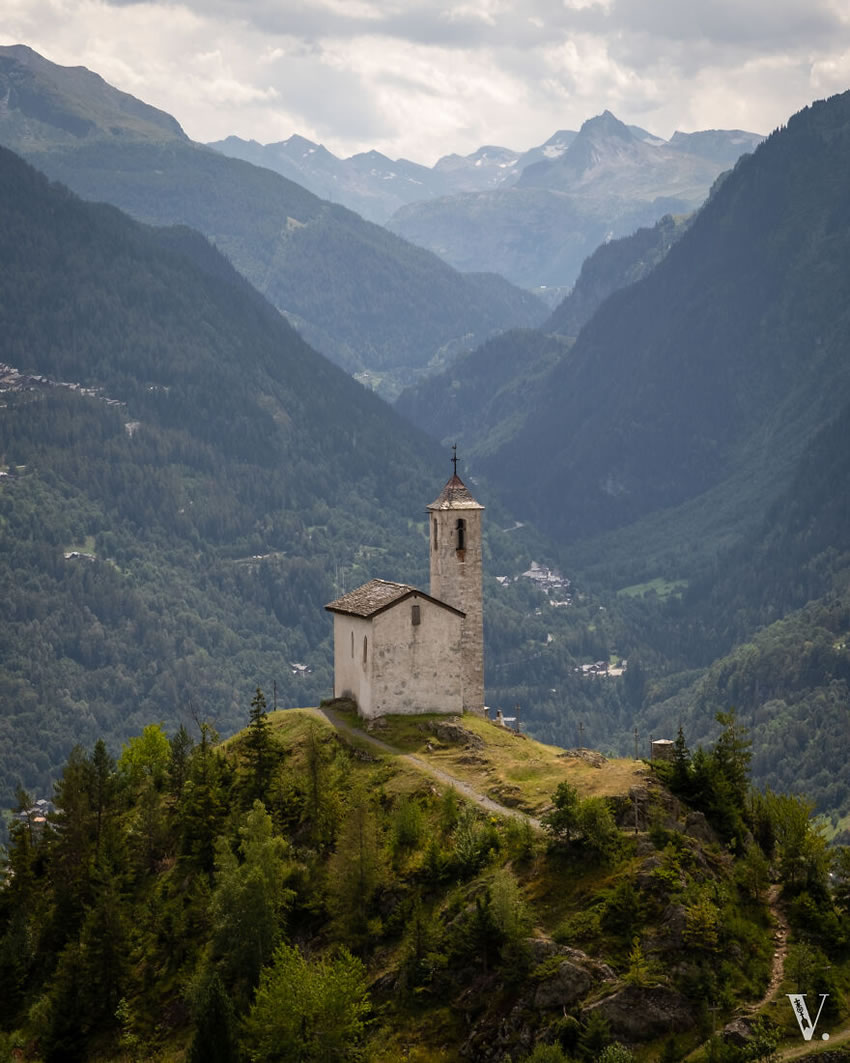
398, 650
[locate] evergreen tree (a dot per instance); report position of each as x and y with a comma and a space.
680, 779
249, 900
73, 846
485, 936
325, 768
732, 754
181, 749
204, 804
355, 871
258, 747
214, 1040
104, 788
594, 1037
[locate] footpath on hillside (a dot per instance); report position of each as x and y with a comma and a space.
488, 804
780, 940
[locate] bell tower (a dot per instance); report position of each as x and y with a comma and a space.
455, 549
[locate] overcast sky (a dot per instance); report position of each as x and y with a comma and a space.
421, 78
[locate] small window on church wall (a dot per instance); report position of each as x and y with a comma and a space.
435, 533
461, 534
352, 643
415, 615
365, 648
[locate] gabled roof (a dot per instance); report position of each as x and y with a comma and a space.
380, 594
455, 495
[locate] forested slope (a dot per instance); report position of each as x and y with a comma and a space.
485, 395
721, 362
291, 895
768, 630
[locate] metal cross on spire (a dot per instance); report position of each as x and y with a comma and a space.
454, 457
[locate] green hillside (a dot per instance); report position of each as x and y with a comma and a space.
614, 265
723, 361
297, 894
768, 633
485, 396
359, 294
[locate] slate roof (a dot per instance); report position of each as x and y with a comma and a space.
455, 495
380, 594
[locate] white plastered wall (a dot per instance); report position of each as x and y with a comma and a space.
353, 675
416, 668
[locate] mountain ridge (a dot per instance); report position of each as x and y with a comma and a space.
359, 293
608, 181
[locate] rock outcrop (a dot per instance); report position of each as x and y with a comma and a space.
639, 1014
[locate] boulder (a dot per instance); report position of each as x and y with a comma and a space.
739, 1032
697, 826
589, 756
640, 1014
669, 935
454, 735
571, 976
567, 985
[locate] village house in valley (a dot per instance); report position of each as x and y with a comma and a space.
400, 650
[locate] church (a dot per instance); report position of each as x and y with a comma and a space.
398, 650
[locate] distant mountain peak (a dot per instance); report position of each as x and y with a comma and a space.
297, 141
607, 124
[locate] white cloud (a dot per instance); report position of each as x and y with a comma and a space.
424, 77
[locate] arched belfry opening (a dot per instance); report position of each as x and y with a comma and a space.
460, 535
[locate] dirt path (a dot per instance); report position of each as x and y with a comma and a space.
780, 950
798, 1048
489, 805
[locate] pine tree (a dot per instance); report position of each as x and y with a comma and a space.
181, 748
258, 747
732, 754
355, 871
680, 781
215, 1039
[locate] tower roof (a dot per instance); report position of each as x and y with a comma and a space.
455, 495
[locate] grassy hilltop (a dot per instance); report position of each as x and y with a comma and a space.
309, 890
